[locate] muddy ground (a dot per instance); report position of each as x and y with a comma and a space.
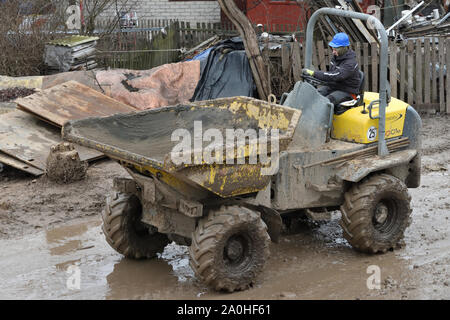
47, 228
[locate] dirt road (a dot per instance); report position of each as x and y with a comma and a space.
50, 236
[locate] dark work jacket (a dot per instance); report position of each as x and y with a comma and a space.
343, 74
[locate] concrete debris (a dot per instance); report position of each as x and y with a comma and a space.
64, 164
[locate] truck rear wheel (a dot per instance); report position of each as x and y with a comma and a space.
124, 230
229, 248
376, 213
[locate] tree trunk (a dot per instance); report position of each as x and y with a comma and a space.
257, 63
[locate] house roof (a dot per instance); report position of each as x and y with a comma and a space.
72, 41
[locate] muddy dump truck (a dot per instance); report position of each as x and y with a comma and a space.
202, 201
223, 176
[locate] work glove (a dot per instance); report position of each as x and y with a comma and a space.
308, 72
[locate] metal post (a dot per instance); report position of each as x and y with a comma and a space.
404, 17
377, 25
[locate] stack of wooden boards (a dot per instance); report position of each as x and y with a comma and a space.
357, 30
27, 134
71, 53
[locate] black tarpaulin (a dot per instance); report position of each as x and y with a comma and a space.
226, 73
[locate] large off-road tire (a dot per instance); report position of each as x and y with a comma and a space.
229, 248
124, 230
376, 213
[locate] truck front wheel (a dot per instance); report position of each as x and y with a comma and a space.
376, 213
229, 248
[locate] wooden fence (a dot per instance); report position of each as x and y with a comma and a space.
193, 34
417, 68
153, 43
145, 47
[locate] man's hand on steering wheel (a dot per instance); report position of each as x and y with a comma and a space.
308, 76
308, 72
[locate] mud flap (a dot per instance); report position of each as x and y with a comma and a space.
356, 170
273, 221
125, 185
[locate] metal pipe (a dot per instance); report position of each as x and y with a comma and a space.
443, 19
405, 17
376, 24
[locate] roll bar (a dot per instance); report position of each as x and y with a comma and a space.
374, 22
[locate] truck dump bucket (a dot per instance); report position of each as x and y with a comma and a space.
177, 140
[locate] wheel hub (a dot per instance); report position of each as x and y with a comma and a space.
381, 213
234, 249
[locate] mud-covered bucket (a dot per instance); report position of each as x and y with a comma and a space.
193, 141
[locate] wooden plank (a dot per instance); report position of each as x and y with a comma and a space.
70, 101
434, 74
285, 60
402, 72
358, 54
198, 33
321, 52
375, 62
447, 48
204, 31
16, 163
189, 36
183, 35
410, 59
324, 23
441, 74
361, 27
419, 74
28, 139
315, 58
209, 33
427, 72
152, 35
366, 65
296, 62
349, 27
393, 68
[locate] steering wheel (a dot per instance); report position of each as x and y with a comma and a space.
313, 81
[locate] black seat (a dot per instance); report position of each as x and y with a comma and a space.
346, 105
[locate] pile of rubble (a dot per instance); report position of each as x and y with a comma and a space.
423, 20
358, 30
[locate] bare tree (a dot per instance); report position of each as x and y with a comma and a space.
26, 26
93, 9
24, 30
257, 63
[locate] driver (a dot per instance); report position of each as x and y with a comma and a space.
343, 78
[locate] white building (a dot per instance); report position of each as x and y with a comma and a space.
191, 11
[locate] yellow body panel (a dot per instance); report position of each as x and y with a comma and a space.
354, 126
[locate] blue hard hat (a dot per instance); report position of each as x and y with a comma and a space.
340, 40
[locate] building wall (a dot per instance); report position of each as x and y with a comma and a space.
192, 11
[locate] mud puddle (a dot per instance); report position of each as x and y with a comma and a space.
75, 262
